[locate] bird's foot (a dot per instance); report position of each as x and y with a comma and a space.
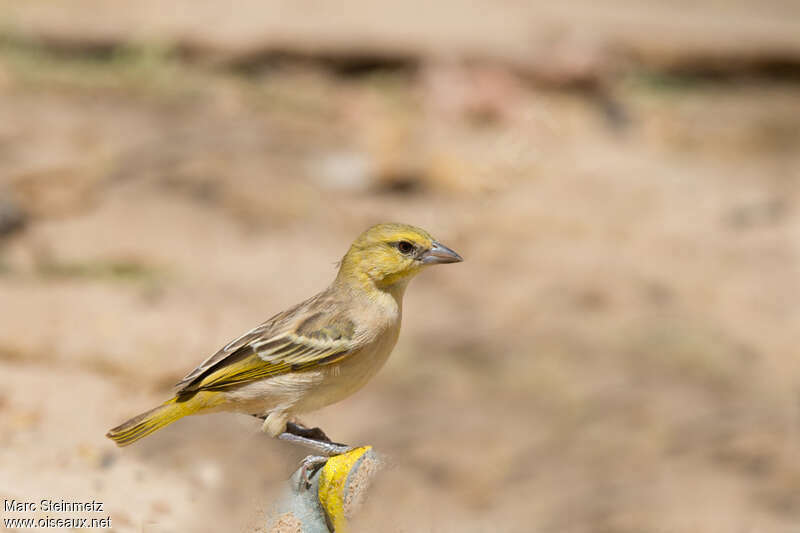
309, 433
308, 468
326, 448
312, 438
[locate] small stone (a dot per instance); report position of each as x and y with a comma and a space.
12, 217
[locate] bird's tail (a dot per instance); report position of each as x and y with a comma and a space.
146, 423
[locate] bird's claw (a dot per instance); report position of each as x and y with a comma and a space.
308, 469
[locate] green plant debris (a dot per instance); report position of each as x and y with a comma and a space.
150, 67
113, 270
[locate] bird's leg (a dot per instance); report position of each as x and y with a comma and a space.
317, 440
314, 439
321, 447
299, 429
295, 428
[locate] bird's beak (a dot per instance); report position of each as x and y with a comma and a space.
438, 254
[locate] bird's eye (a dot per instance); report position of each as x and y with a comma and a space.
405, 247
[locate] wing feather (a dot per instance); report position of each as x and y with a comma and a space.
273, 348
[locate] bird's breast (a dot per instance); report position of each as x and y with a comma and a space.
343, 378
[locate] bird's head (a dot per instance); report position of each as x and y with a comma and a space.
392, 254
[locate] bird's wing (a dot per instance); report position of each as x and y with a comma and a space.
285, 343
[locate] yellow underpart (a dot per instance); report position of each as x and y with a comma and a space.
332, 483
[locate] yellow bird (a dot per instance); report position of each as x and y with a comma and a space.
312, 355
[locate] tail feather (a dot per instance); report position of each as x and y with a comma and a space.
146, 423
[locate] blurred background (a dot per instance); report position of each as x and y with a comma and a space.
618, 353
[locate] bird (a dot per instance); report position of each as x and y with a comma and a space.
313, 354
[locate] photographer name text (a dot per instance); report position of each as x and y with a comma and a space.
19, 506
46, 505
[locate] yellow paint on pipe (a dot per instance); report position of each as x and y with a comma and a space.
332, 484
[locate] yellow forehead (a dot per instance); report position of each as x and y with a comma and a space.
393, 232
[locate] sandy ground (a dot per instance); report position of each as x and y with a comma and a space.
510, 29
618, 353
